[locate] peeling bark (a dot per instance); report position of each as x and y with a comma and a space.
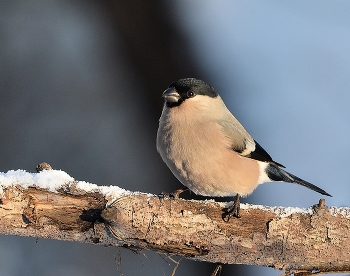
193, 229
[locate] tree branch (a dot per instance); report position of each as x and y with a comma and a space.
284, 238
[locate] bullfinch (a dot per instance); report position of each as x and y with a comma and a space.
209, 151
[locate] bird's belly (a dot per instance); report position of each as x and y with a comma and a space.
207, 166
222, 177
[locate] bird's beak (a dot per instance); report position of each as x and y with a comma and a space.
171, 95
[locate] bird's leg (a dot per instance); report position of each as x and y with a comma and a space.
176, 193
233, 210
173, 195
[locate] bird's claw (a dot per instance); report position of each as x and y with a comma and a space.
173, 195
233, 211
177, 193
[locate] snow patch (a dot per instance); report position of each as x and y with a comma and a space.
112, 193
54, 180
280, 211
344, 211
51, 180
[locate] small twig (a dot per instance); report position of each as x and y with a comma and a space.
217, 270
176, 266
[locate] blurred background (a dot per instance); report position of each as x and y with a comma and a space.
81, 84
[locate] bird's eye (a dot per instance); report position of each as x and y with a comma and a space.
190, 94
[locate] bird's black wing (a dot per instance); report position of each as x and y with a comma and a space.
242, 142
260, 154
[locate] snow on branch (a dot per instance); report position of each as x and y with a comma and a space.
52, 204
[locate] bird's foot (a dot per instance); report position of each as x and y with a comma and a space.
233, 211
173, 195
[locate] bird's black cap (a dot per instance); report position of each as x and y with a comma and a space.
198, 87
183, 89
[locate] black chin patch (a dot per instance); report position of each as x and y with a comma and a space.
174, 104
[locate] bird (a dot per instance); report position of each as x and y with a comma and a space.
209, 151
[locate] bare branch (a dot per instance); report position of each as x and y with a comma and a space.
294, 240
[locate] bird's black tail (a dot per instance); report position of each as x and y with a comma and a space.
277, 174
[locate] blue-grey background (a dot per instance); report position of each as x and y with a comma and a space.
71, 95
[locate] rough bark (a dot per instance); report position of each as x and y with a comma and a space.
194, 229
